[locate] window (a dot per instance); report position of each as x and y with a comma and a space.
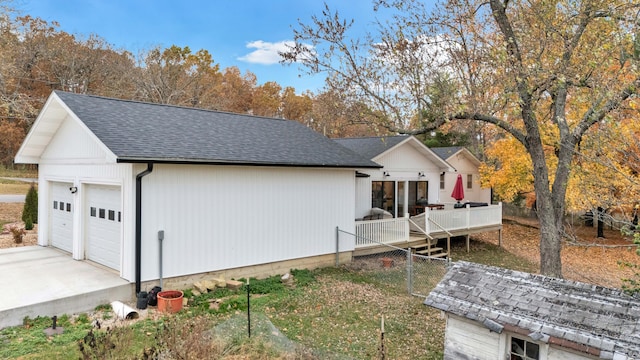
442, 181
523, 350
68, 207
101, 213
93, 212
469, 181
61, 205
55, 205
112, 215
383, 195
119, 216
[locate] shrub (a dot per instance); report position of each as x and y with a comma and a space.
28, 224
17, 233
30, 209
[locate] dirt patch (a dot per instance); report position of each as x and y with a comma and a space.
10, 214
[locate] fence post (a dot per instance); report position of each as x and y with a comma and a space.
409, 271
337, 246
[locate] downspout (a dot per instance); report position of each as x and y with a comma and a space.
139, 223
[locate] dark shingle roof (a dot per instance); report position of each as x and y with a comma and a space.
445, 152
136, 131
370, 147
582, 315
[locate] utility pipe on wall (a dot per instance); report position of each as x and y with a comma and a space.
139, 224
160, 238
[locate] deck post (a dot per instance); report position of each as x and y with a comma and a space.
500, 237
467, 243
449, 246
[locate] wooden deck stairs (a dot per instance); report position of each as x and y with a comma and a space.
422, 245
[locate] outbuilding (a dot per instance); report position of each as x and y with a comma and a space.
496, 313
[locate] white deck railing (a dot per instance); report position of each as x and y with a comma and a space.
386, 231
393, 231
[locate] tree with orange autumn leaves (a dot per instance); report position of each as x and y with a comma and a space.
545, 74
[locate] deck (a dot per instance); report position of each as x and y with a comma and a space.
424, 230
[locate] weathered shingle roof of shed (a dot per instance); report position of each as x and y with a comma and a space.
370, 147
562, 312
138, 132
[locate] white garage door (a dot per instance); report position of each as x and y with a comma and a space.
104, 217
61, 216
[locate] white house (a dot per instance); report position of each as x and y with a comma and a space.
429, 174
495, 313
467, 165
119, 179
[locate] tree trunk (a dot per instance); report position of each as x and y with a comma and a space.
550, 239
600, 222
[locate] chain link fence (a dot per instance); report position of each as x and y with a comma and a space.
392, 267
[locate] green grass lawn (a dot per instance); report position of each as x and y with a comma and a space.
331, 313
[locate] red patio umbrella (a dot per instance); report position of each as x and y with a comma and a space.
458, 189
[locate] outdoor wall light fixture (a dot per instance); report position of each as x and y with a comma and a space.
420, 174
385, 173
73, 189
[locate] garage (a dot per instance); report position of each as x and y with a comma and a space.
103, 222
61, 216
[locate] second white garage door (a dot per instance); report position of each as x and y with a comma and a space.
104, 219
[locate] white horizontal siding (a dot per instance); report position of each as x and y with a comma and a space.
221, 217
556, 353
467, 340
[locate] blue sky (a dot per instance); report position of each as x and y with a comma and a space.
244, 33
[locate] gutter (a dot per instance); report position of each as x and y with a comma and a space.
139, 223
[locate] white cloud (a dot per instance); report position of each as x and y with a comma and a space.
265, 53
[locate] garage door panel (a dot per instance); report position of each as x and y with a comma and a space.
103, 225
61, 216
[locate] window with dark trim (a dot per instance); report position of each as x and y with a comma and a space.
521, 349
119, 216
112, 215
68, 207
442, 181
55, 205
469, 181
61, 205
93, 212
101, 213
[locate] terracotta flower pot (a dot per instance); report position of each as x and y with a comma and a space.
170, 301
387, 262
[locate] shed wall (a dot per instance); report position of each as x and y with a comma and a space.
466, 340
221, 217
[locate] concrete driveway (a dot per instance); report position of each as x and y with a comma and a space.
43, 281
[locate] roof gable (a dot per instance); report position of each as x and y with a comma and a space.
375, 148
146, 132
535, 305
446, 153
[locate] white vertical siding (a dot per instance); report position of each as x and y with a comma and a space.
221, 217
466, 340
406, 158
363, 196
464, 167
73, 144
